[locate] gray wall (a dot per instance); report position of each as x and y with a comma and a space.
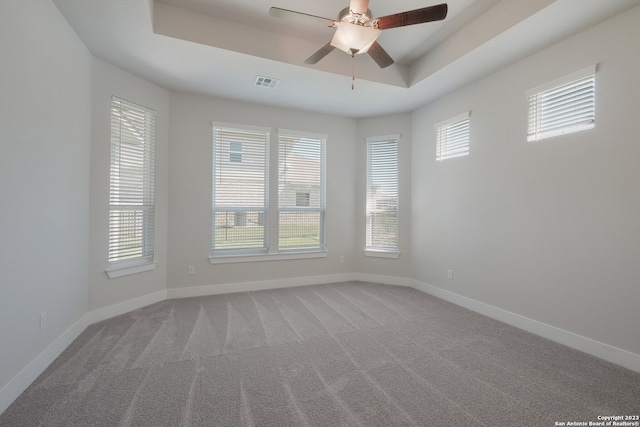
547, 230
45, 129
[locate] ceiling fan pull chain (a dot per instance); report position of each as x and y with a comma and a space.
353, 71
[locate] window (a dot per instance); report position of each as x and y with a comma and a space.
235, 151
131, 193
301, 191
382, 194
452, 139
562, 106
303, 199
249, 222
240, 189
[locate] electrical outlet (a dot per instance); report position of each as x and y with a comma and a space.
192, 270
43, 320
341, 260
450, 274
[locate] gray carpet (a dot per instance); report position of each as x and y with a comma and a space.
345, 354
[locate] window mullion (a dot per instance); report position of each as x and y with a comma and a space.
274, 206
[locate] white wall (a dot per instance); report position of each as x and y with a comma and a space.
45, 120
190, 191
547, 230
109, 80
381, 126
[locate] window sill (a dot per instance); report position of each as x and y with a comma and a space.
382, 254
230, 259
120, 271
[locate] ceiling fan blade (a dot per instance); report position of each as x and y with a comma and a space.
380, 55
276, 12
418, 16
324, 51
359, 6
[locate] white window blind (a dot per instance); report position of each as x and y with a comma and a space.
452, 138
240, 188
301, 191
563, 106
131, 194
382, 194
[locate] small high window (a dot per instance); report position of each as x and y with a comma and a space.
562, 106
452, 139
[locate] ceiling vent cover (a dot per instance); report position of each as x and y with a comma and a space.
269, 82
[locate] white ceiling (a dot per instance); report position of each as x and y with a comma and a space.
218, 47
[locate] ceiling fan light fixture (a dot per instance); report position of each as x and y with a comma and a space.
357, 31
354, 39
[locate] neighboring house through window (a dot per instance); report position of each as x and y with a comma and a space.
235, 151
240, 189
302, 199
247, 220
301, 190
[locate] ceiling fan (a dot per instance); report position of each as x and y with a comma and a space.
357, 31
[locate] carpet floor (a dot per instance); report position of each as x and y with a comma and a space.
347, 354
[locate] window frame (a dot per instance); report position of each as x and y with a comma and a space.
140, 200
582, 118
321, 208
227, 159
270, 252
374, 250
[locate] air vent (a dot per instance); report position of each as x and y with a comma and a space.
269, 82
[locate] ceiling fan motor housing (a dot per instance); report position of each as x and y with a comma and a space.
363, 19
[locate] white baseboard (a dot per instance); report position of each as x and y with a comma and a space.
259, 285
587, 345
383, 280
126, 306
20, 382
